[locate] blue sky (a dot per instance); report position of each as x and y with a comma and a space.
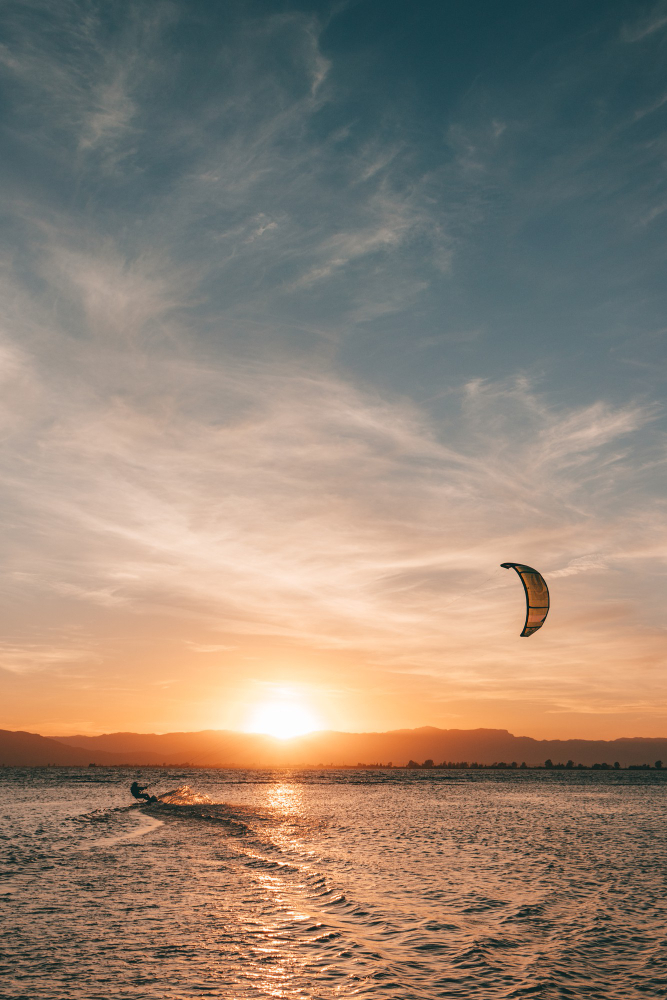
312, 315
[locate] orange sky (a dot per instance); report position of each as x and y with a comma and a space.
460, 668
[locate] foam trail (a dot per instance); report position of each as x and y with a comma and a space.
151, 823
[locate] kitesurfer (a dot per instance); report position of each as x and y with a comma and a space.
139, 792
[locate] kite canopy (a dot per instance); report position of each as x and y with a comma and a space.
537, 596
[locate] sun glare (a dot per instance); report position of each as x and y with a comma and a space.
283, 719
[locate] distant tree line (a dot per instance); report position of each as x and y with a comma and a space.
451, 765
601, 767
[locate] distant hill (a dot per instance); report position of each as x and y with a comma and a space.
210, 747
219, 748
19, 749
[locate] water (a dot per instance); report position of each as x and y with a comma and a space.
395, 885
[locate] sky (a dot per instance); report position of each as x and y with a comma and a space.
311, 315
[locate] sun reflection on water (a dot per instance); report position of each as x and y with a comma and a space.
285, 798
278, 957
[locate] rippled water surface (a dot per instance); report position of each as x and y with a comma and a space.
333, 884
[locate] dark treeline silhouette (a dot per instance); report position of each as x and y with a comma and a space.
453, 765
450, 765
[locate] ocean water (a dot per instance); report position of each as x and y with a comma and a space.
395, 885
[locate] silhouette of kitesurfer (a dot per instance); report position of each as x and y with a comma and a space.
139, 792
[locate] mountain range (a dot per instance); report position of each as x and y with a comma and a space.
222, 748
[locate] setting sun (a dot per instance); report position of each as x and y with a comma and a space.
282, 719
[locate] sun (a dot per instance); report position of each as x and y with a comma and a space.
283, 719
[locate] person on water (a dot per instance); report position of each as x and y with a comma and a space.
139, 792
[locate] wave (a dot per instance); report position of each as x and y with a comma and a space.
184, 796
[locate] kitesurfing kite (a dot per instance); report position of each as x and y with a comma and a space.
537, 596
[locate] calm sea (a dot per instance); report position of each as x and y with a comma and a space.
334, 884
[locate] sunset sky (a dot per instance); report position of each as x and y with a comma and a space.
312, 315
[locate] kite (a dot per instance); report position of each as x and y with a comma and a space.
537, 596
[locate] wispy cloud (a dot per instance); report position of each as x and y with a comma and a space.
646, 26
27, 657
590, 562
251, 511
210, 647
